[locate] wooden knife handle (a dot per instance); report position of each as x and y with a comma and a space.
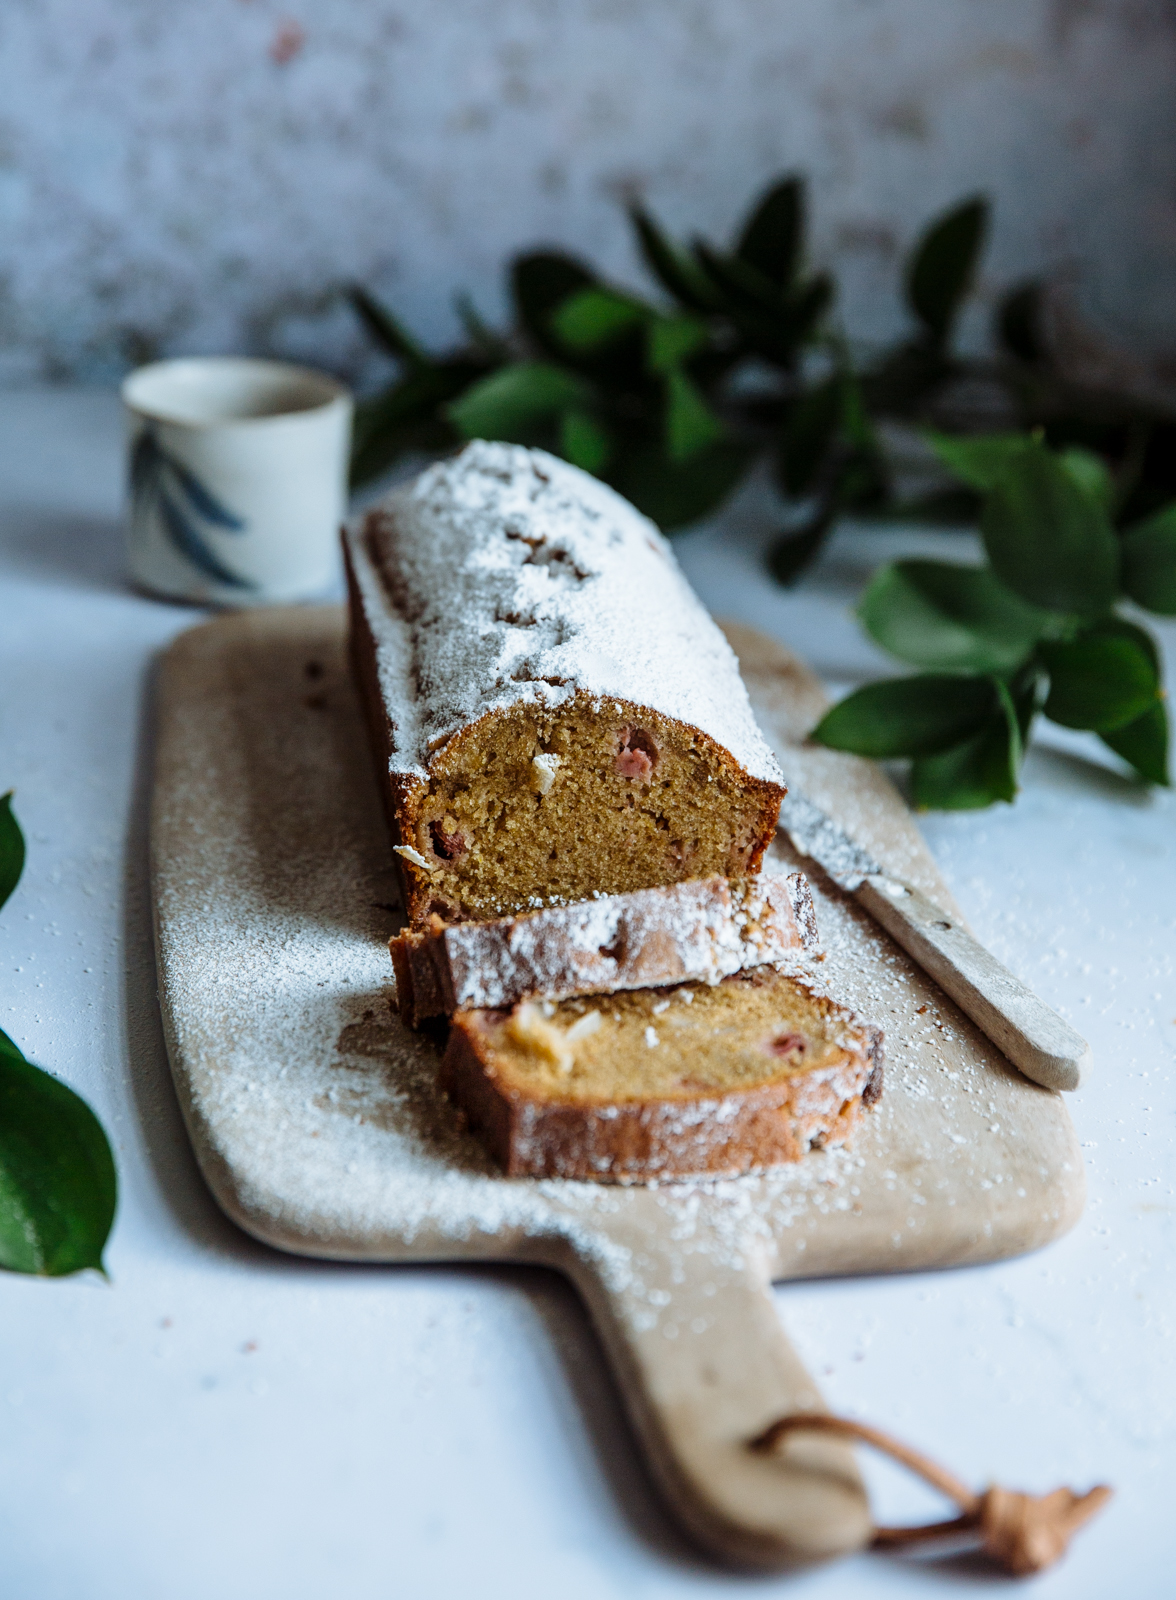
1033, 1037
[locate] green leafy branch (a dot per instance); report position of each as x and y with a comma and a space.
1035, 630
58, 1187
674, 400
645, 395
830, 449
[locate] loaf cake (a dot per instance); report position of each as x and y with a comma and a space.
659, 1083
554, 712
705, 929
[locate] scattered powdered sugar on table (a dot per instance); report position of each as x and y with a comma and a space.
505, 576
315, 1111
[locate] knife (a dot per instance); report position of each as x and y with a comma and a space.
1033, 1037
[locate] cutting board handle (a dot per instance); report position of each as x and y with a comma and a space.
702, 1360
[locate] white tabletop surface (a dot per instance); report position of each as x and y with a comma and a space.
220, 1420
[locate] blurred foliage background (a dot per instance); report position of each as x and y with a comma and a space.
737, 361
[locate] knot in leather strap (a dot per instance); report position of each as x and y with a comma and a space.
1026, 1532
1023, 1533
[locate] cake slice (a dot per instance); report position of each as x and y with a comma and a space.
660, 1083
555, 715
705, 929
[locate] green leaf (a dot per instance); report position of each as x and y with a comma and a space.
948, 618
943, 266
861, 485
1103, 679
511, 402
918, 716
1151, 463
774, 233
541, 282
810, 427
740, 286
1143, 744
1091, 473
57, 1180
407, 416
1121, 628
489, 345
673, 339
793, 551
674, 268
1149, 562
691, 425
808, 304
775, 325
1047, 539
859, 430
1026, 689
831, 414
1019, 323
676, 494
12, 848
593, 317
585, 441
977, 772
863, 479
386, 329
981, 459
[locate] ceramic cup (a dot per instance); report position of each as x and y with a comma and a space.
237, 479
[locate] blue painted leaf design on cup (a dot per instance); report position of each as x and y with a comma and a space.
159, 482
193, 548
200, 499
142, 459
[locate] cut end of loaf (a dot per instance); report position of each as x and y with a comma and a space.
534, 807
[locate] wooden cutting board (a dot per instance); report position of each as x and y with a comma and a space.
316, 1122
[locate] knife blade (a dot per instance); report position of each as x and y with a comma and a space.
816, 835
1035, 1039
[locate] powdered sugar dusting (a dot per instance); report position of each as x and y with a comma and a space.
506, 577
316, 1115
703, 930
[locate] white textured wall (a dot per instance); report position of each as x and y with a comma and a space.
181, 175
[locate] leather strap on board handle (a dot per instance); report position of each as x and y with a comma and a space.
1023, 1533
